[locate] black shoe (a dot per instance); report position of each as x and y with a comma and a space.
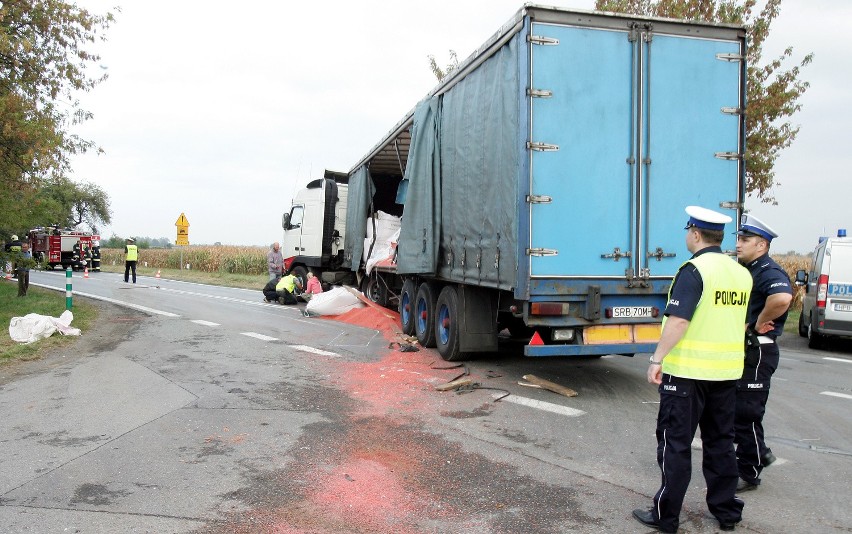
745, 485
768, 458
727, 527
646, 517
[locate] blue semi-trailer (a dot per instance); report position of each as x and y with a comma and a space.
542, 185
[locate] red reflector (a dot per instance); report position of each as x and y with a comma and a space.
608, 313
655, 312
549, 308
536, 340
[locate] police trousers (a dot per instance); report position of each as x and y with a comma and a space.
685, 405
752, 393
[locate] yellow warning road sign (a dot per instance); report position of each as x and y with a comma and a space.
182, 224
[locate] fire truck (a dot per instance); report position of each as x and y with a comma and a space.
52, 246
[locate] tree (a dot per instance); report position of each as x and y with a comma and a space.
76, 204
774, 89
440, 73
43, 66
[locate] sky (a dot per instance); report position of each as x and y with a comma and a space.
222, 110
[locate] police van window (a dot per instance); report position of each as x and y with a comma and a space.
818, 262
296, 216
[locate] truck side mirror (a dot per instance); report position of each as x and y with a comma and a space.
285, 221
801, 277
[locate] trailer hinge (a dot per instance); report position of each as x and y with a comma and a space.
539, 199
637, 281
732, 205
732, 111
542, 40
660, 254
542, 252
730, 57
539, 93
616, 254
542, 147
732, 156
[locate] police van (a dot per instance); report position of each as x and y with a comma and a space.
827, 302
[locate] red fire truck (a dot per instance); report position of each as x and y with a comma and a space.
53, 246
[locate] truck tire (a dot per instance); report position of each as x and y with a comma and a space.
375, 290
406, 306
803, 330
447, 325
302, 274
424, 316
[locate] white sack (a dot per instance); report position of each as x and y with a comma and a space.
333, 302
33, 327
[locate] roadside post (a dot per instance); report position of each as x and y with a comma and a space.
182, 235
68, 292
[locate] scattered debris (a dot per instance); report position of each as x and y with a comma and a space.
403, 347
535, 381
455, 384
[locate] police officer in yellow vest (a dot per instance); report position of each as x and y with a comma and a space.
131, 256
697, 363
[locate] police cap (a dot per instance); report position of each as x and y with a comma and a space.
751, 225
707, 219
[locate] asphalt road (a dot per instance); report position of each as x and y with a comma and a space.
196, 408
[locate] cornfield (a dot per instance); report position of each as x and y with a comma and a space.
791, 264
210, 259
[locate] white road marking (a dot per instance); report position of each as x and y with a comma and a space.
305, 348
204, 323
259, 336
833, 394
837, 360
541, 405
112, 301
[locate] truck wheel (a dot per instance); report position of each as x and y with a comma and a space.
375, 290
406, 306
803, 330
815, 341
424, 316
447, 325
302, 274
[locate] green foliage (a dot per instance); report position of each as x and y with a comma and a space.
774, 87
44, 62
440, 73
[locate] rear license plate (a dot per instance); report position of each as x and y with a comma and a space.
843, 307
632, 312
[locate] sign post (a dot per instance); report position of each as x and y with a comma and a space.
182, 235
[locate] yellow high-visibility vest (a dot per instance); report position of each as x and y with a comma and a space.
132, 252
713, 346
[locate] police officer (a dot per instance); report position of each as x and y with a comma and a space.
697, 363
767, 312
131, 256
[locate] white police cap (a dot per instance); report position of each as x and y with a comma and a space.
751, 225
707, 219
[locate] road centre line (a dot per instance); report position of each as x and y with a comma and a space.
541, 405
833, 394
259, 336
111, 301
837, 359
305, 348
204, 323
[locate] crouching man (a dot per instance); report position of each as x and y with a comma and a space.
282, 292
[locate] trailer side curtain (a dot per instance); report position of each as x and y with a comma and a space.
420, 231
360, 196
480, 165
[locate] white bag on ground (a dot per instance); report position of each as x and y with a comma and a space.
32, 327
336, 301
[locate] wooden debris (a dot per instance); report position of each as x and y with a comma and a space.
528, 385
455, 384
550, 386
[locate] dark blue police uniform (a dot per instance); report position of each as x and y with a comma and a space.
761, 361
707, 404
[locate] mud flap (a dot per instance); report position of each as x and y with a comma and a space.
477, 319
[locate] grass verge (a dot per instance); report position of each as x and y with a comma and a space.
244, 281
42, 302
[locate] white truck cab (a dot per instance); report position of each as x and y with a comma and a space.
827, 303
